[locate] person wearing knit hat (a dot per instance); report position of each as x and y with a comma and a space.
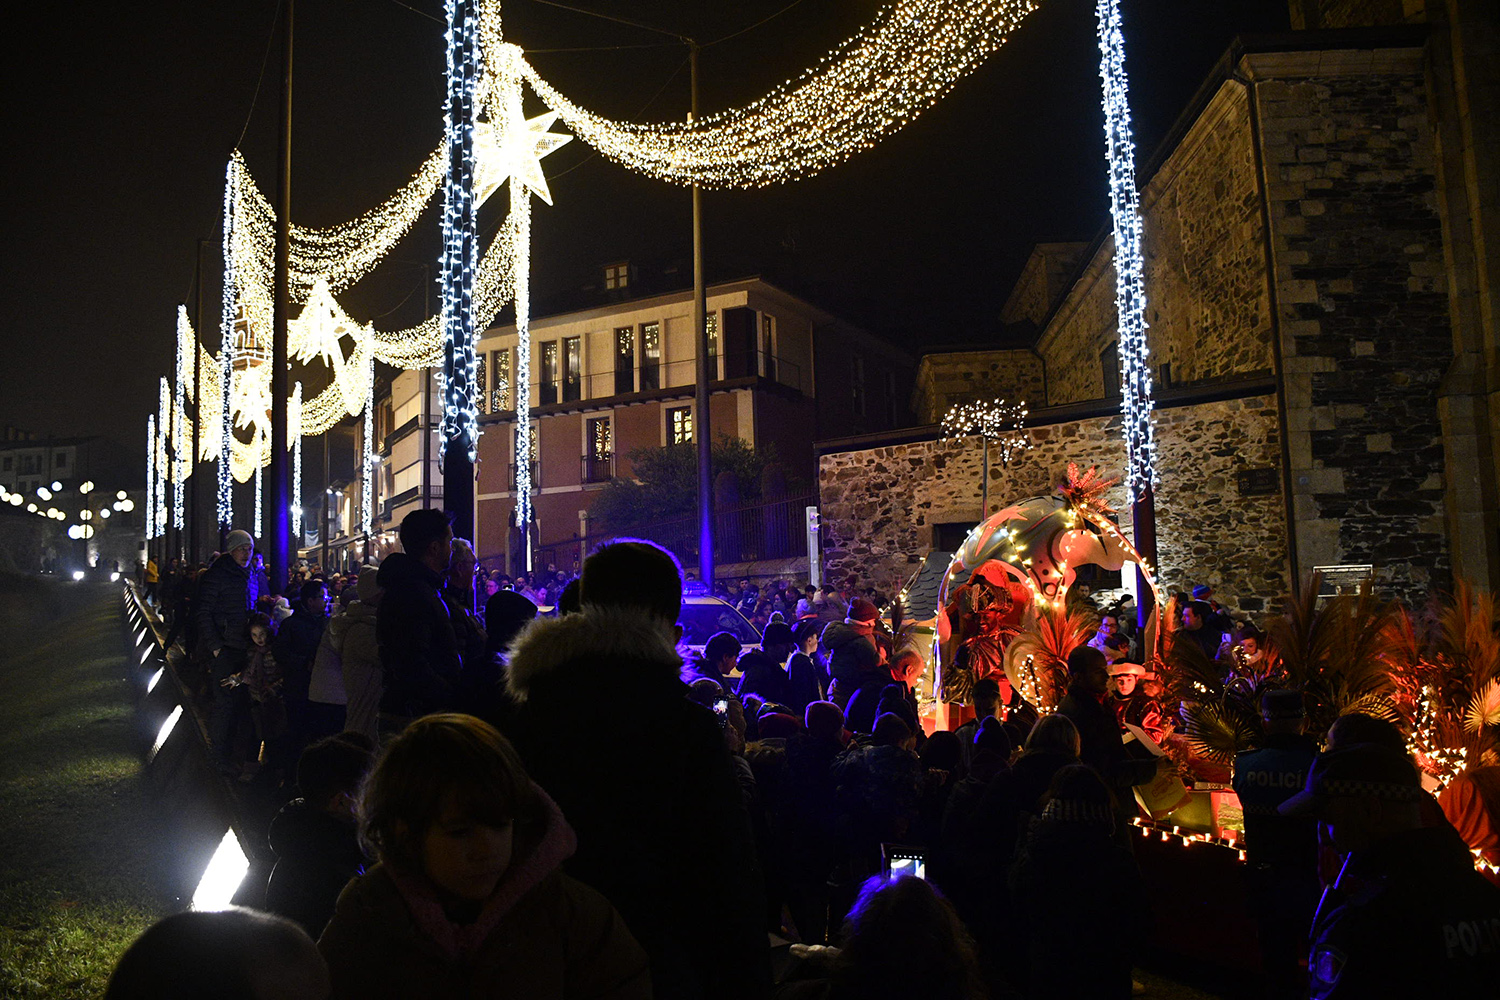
854, 658
825, 721
1408, 915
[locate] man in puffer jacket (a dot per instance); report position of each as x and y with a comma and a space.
853, 656
223, 611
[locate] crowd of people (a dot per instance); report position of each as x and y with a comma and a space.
490, 800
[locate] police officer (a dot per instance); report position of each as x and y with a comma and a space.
1281, 852
1416, 919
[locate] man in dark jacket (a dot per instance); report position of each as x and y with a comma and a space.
1100, 743
605, 726
1418, 920
295, 646
223, 611
419, 655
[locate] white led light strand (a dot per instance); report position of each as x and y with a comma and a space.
181, 441
163, 453
1130, 287
367, 477
150, 477
227, 312
520, 213
294, 415
460, 424
259, 500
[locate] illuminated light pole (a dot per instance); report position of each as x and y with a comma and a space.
1130, 297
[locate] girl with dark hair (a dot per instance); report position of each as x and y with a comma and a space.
469, 898
901, 940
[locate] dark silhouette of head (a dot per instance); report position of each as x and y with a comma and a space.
631, 573
902, 940
234, 954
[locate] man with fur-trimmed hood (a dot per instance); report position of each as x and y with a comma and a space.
604, 724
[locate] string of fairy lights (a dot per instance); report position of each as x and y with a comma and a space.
880, 79
1130, 284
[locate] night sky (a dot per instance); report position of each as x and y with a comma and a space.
120, 118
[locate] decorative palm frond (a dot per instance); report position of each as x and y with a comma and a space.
1037, 660
1484, 708
1217, 730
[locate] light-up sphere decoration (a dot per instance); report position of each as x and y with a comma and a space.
1035, 549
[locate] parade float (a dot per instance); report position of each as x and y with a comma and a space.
1011, 603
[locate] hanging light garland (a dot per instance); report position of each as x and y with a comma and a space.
228, 308
163, 455
871, 85
1130, 286
367, 477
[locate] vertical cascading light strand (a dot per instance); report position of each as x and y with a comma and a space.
520, 211
150, 476
225, 502
180, 443
366, 493
1130, 288
163, 453
460, 258
294, 419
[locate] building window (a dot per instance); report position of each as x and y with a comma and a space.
616, 276
548, 379
768, 346
515, 449
892, 409
680, 425
857, 382
1109, 362
650, 356
480, 380
598, 450
572, 368
624, 360
712, 322
500, 392
8, 462
61, 460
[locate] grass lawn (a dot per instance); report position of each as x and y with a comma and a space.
80, 847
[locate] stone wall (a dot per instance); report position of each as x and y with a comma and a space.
1365, 329
1355, 13
880, 506
1206, 291
967, 376
1043, 281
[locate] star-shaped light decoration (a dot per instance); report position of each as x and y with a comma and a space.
514, 147
317, 330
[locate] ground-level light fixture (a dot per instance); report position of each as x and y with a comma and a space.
165, 732
221, 879
155, 679
114, 577
78, 574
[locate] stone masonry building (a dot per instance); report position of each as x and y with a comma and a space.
1321, 249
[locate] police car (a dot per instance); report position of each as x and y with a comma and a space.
703, 615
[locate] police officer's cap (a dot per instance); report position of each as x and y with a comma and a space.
1363, 770
1282, 705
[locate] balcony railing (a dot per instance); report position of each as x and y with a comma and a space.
534, 483
665, 375
598, 468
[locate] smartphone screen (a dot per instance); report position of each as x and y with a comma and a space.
901, 861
